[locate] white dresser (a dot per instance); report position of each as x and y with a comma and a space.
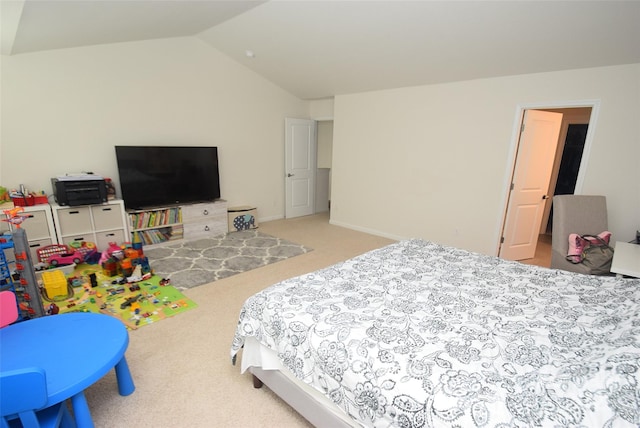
204, 220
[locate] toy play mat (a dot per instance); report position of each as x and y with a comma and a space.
136, 304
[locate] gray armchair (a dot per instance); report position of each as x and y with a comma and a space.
581, 214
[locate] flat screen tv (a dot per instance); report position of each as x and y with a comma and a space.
156, 176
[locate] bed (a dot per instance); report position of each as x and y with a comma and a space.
417, 334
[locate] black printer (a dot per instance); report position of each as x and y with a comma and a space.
86, 189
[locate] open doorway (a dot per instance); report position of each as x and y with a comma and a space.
569, 150
571, 157
325, 157
572, 140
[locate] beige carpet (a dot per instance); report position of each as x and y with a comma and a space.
181, 366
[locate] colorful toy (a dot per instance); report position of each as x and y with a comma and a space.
66, 259
88, 250
136, 242
137, 275
14, 217
4, 194
52, 309
127, 260
129, 301
55, 283
126, 267
113, 251
45, 252
110, 267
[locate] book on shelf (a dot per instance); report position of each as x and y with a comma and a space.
161, 234
155, 218
152, 237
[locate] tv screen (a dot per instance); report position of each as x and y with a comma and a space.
155, 176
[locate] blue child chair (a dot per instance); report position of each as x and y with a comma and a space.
8, 308
22, 394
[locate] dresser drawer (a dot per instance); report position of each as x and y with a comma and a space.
104, 238
74, 220
35, 245
205, 229
198, 212
78, 238
107, 217
36, 225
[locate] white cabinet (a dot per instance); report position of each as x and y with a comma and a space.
39, 226
100, 224
166, 225
204, 220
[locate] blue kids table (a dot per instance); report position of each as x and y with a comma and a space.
75, 350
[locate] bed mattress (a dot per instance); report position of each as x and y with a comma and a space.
417, 334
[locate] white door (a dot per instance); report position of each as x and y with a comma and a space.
530, 184
300, 167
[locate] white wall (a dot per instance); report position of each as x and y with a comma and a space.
64, 111
434, 161
325, 143
321, 109
429, 161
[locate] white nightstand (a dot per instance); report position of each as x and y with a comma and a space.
626, 259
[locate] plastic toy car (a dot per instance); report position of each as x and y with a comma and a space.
128, 302
65, 259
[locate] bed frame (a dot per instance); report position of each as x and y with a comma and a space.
316, 412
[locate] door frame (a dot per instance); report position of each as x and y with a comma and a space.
513, 151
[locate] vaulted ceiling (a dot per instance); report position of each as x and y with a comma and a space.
318, 49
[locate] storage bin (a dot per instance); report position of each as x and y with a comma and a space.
28, 201
66, 270
55, 283
242, 218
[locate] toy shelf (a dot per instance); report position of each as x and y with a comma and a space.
23, 283
98, 223
6, 281
157, 226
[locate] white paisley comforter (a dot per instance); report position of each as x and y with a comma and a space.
420, 335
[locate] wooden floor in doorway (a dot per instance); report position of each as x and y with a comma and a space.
543, 252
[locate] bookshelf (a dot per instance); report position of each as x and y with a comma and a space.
157, 226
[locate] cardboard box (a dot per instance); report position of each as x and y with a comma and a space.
242, 218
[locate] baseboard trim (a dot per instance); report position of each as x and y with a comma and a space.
265, 219
366, 230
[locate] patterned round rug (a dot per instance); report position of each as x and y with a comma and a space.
191, 263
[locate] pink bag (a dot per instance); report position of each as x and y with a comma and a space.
577, 244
